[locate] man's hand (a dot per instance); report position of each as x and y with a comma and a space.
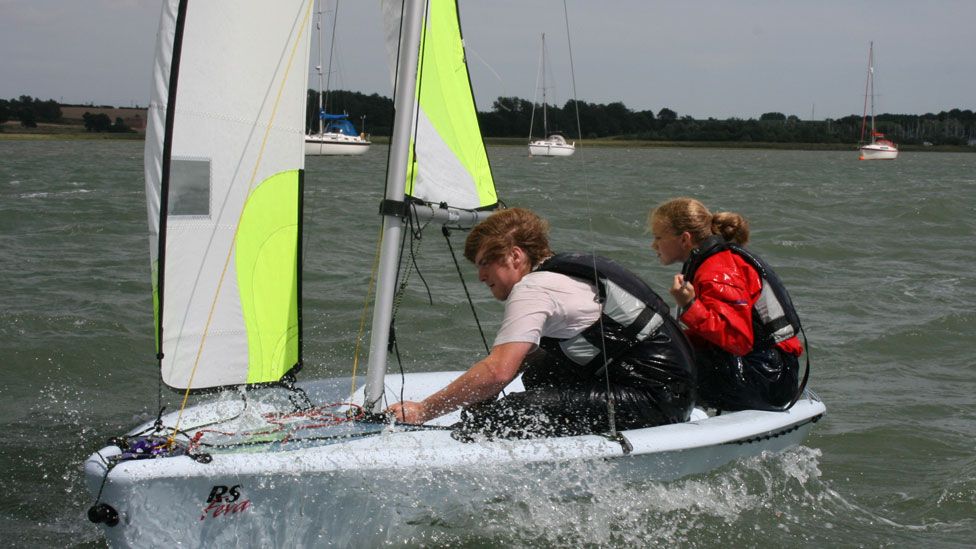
481, 382
409, 412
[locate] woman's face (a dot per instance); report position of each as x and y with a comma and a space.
501, 274
670, 247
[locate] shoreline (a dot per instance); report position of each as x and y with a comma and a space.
54, 132
12, 131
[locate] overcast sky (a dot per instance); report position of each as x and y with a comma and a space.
708, 58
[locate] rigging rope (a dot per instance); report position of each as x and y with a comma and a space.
415, 234
572, 72
366, 302
611, 400
467, 294
325, 415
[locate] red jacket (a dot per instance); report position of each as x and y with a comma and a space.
726, 288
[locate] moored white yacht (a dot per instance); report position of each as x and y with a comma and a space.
879, 148
556, 145
339, 136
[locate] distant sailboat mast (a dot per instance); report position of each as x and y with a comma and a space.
572, 73
328, 76
868, 90
324, 89
318, 66
545, 121
540, 76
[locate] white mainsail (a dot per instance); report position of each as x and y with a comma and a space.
224, 162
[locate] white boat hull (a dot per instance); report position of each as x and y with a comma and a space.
364, 486
335, 145
545, 148
878, 152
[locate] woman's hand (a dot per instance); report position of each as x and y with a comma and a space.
409, 412
682, 291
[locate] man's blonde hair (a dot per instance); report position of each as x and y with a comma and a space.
505, 229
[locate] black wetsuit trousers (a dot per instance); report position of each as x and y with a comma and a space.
552, 405
761, 380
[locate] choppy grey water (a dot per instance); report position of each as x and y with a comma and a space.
879, 257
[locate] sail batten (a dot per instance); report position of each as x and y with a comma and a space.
223, 189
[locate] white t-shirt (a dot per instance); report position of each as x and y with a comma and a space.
547, 304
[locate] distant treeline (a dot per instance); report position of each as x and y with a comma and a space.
511, 117
30, 111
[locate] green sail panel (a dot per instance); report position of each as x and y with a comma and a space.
451, 164
267, 277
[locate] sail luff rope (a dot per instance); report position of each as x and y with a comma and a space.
220, 282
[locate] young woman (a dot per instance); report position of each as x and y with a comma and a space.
736, 312
580, 328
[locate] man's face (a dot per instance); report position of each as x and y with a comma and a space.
502, 273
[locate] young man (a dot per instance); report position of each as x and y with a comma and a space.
583, 330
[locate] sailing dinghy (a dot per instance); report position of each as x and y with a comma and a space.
307, 463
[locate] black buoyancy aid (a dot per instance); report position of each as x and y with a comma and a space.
631, 313
774, 318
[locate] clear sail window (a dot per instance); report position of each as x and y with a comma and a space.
189, 187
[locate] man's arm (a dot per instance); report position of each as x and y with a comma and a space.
481, 382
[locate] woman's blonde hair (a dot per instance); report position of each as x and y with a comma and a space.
505, 229
687, 214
